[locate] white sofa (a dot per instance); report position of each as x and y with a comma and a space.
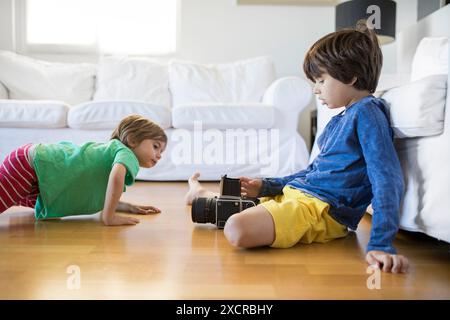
421, 124
234, 118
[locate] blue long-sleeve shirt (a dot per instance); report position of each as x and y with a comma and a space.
357, 165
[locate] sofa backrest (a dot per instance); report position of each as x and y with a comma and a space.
238, 82
133, 79
136, 79
30, 79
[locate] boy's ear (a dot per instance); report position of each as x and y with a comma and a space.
353, 81
131, 143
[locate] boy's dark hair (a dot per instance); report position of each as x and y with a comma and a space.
345, 54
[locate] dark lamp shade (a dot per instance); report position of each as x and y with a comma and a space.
348, 13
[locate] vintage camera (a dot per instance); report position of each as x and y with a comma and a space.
217, 210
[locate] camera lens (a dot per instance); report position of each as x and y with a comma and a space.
203, 210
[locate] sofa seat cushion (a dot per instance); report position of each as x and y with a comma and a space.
223, 116
133, 79
30, 79
103, 115
243, 81
33, 114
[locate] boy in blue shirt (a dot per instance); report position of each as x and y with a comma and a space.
357, 164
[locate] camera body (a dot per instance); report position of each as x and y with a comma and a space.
217, 210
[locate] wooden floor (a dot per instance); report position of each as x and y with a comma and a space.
167, 256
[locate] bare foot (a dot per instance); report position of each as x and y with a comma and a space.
196, 190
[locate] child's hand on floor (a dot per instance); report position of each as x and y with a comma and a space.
143, 209
131, 208
250, 187
387, 262
117, 220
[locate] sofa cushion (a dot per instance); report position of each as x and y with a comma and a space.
30, 79
102, 115
3, 92
223, 116
33, 114
417, 108
139, 79
239, 82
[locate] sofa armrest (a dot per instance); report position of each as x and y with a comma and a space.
289, 96
3, 92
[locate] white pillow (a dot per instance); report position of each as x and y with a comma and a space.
139, 79
389, 81
30, 79
417, 108
103, 115
238, 82
431, 57
33, 114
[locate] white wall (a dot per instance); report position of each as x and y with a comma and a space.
213, 31
406, 16
219, 30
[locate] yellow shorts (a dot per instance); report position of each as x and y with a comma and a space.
300, 217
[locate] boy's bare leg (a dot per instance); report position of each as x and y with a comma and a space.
253, 227
196, 190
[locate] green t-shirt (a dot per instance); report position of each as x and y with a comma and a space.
73, 179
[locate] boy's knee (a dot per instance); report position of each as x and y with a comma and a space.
235, 231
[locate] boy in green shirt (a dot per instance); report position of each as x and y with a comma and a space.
65, 179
